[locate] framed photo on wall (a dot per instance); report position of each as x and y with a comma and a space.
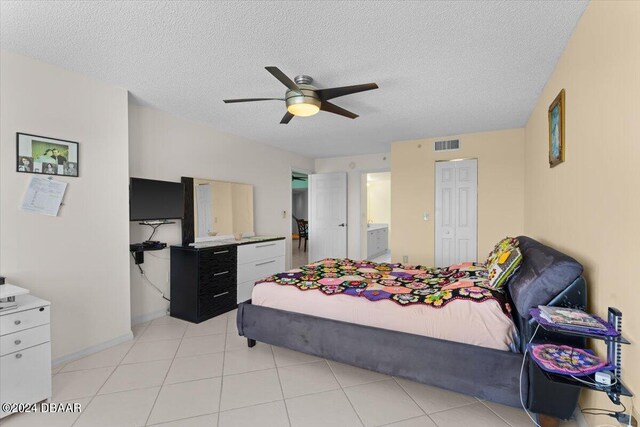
48, 156
556, 130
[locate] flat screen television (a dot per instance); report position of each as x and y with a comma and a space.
151, 200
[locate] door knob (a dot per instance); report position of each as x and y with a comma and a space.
342, 225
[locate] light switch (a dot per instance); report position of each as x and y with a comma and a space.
425, 216
284, 214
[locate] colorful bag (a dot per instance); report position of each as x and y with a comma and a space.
562, 359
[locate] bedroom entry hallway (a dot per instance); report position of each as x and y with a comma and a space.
299, 219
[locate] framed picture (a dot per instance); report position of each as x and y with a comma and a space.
556, 130
49, 156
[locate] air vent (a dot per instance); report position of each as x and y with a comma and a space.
452, 144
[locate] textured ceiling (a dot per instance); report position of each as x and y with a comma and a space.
442, 67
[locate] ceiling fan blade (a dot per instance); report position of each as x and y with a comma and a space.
275, 71
286, 119
332, 108
335, 92
229, 101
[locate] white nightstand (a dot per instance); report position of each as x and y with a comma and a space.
25, 352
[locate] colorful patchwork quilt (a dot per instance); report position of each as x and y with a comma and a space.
403, 284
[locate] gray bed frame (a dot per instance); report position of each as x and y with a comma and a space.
486, 373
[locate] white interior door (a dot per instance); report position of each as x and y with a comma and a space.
327, 216
456, 212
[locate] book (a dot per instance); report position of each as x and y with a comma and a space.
571, 317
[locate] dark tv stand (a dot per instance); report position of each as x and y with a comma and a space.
138, 249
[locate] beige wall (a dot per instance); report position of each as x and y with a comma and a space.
379, 200
163, 146
79, 259
356, 168
588, 206
500, 157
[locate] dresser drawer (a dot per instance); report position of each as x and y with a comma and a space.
208, 277
217, 259
20, 340
257, 270
215, 303
25, 376
218, 283
14, 322
259, 251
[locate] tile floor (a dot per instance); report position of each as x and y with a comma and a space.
385, 257
298, 256
180, 374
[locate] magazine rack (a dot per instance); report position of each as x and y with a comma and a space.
614, 357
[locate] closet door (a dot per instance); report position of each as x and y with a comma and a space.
456, 216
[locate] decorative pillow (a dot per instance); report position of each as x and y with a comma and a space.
506, 243
505, 263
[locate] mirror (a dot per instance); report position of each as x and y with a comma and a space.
216, 208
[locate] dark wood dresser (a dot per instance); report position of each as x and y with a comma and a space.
203, 281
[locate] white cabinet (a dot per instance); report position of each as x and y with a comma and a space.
257, 261
377, 240
25, 352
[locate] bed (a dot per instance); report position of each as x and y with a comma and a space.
471, 344
480, 317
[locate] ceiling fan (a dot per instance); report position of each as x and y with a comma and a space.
303, 99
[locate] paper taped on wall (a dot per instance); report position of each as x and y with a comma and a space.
44, 196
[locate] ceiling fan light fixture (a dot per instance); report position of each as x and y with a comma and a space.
303, 110
303, 105
304, 100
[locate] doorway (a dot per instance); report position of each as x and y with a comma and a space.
299, 219
378, 216
456, 233
327, 216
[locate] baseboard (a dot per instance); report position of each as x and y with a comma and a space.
93, 349
149, 316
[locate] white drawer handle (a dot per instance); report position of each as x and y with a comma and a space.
219, 295
221, 252
17, 342
220, 274
266, 262
264, 246
18, 356
17, 322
